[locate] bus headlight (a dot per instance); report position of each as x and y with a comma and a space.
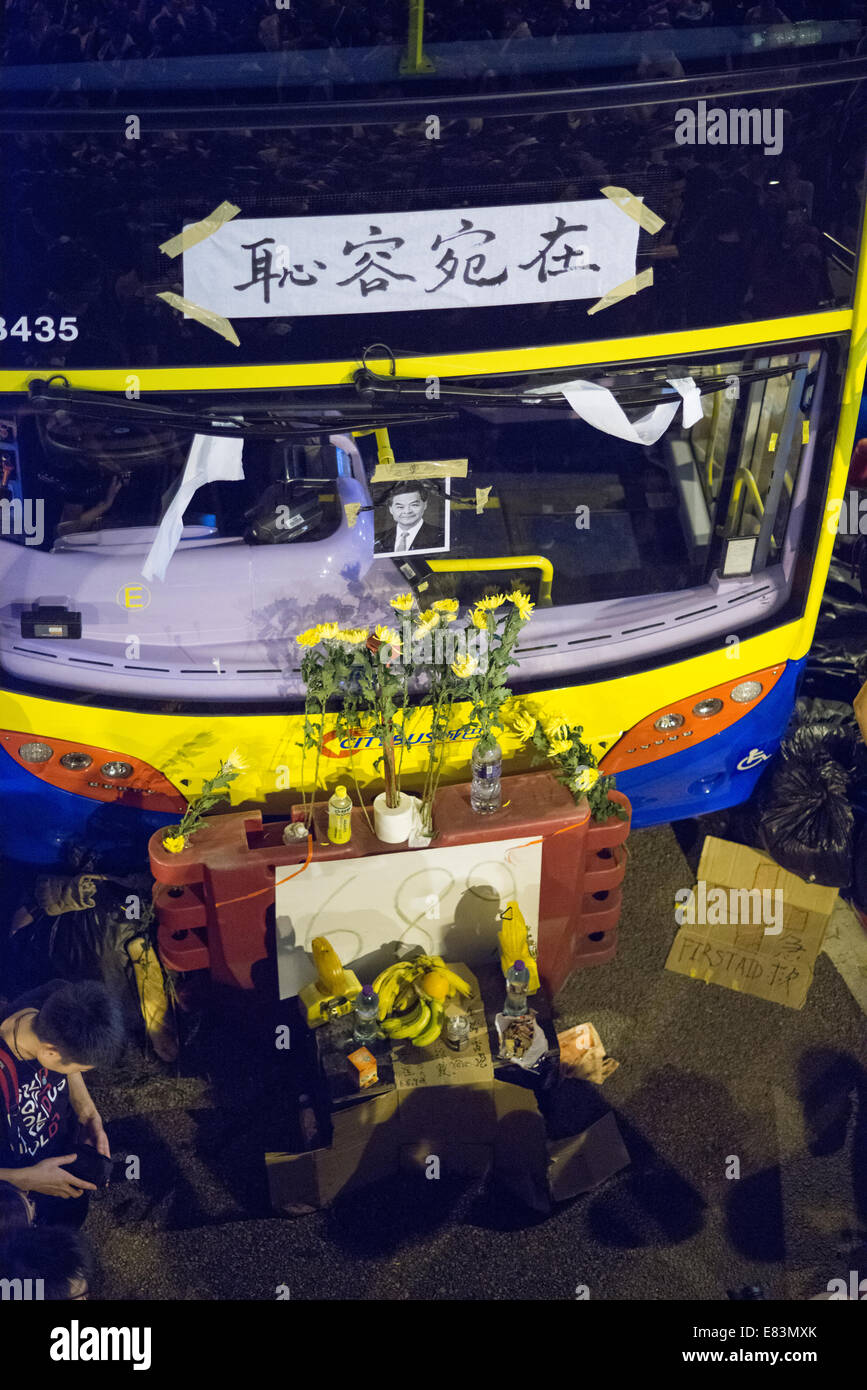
668, 721
69, 766
116, 769
35, 752
746, 691
705, 708
76, 761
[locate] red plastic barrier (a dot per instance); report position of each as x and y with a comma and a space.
212, 899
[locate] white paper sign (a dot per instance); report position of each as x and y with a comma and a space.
376, 263
445, 900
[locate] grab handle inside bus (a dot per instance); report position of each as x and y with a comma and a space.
504, 562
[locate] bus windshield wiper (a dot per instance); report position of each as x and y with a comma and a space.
278, 421
543, 390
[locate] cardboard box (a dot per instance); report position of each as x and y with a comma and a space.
461, 1115
755, 956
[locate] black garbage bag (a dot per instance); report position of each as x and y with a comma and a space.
807, 823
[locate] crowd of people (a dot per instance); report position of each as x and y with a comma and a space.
70, 31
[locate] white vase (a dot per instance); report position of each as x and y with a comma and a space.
393, 824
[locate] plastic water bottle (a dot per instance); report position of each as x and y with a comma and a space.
517, 983
366, 1023
486, 793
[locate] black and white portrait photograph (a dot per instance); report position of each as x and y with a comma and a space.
411, 516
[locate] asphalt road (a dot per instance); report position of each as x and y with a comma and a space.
705, 1074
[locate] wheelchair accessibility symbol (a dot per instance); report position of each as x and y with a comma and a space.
752, 759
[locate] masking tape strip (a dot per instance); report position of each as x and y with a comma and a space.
482, 495
638, 282
351, 510
634, 208
199, 231
399, 472
205, 316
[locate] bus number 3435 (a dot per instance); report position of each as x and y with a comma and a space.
44, 329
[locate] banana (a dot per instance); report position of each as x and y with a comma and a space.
417, 1022
387, 995
391, 987
430, 1034
393, 1026
407, 997
387, 972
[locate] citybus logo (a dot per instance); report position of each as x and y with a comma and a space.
335, 745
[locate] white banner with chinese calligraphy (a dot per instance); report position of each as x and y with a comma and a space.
268, 267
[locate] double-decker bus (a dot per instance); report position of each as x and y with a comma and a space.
606, 262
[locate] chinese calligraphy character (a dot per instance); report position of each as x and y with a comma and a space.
569, 254
475, 261
261, 272
366, 262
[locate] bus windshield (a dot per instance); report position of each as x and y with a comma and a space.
345, 237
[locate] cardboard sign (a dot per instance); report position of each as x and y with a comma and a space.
769, 956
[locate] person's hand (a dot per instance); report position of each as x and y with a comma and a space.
51, 1178
91, 1131
860, 708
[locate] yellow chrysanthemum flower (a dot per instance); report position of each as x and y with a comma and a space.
523, 724
557, 746
426, 624
310, 638
235, 762
524, 607
492, 601
446, 605
174, 843
387, 634
480, 619
556, 728
329, 631
587, 779
354, 635
465, 666
402, 602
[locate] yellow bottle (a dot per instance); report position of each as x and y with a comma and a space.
332, 993
339, 817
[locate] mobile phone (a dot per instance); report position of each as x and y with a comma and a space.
91, 1166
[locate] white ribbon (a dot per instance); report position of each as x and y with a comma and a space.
210, 460
597, 406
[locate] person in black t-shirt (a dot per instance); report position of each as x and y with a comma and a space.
47, 1040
